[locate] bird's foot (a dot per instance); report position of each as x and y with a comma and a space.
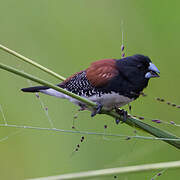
123, 113
97, 110
130, 107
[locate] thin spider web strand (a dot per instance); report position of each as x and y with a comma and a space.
122, 45
43, 107
3, 115
86, 132
122, 26
11, 134
6, 124
46, 112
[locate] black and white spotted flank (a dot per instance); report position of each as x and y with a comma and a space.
80, 85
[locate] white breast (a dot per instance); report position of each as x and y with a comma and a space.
109, 101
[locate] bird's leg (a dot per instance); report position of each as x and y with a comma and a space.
125, 115
130, 107
97, 110
121, 112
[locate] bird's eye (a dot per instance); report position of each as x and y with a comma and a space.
140, 66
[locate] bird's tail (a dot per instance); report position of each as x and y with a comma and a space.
45, 90
34, 89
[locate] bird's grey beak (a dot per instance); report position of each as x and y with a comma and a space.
154, 72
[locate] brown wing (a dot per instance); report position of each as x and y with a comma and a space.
100, 72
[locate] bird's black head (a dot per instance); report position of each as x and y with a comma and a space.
137, 69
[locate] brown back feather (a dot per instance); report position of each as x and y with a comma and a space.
100, 72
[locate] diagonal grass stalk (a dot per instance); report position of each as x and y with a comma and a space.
130, 120
110, 172
119, 136
27, 60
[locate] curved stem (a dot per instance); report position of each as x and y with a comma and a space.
130, 120
25, 59
109, 172
46, 83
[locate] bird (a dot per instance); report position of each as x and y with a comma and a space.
110, 83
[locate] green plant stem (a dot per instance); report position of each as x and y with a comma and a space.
27, 60
130, 120
120, 136
113, 171
46, 83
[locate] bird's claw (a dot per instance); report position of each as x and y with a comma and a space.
97, 109
123, 113
117, 121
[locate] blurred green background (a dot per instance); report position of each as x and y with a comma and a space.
66, 36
